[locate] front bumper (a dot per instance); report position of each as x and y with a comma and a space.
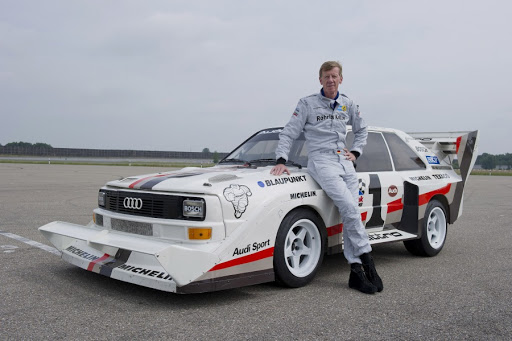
159, 264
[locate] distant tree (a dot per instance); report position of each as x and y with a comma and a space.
19, 144
455, 164
206, 150
488, 161
42, 145
215, 157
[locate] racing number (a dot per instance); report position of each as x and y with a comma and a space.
376, 190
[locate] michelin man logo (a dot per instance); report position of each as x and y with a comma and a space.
238, 196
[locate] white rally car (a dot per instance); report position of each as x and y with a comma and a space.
235, 224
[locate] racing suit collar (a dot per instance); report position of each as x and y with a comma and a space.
323, 94
332, 102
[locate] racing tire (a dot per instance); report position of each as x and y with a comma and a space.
299, 248
433, 234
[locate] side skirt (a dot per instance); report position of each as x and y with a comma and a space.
228, 282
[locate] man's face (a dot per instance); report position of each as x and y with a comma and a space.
330, 81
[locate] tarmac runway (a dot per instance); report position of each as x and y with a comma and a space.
464, 293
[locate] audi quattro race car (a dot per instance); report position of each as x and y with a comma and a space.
205, 229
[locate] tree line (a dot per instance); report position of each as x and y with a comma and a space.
486, 160
490, 161
28, 145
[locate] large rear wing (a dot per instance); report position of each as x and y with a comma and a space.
464, 144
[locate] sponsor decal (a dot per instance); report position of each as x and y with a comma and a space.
392, 190
283, 181
302, 195
440, 176
256, 246
344, 107
330, 117
145, 272
362, 190
420, 178
441, 167
383, 235
238, 196
433, 160
421, 149
81, 253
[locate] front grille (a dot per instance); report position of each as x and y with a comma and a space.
143, 229
153, 205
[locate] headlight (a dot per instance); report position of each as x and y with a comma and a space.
193, 208
101, 199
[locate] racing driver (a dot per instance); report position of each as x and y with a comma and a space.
324, 118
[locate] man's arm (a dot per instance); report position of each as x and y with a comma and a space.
290, 132
359, 129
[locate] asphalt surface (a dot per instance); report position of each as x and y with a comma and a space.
464, 293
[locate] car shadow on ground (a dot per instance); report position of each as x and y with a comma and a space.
332, 272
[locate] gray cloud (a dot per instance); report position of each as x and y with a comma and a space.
189, 75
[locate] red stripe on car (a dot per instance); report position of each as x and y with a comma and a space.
245, 259
458, 143
425, 198
149, 177
94, 262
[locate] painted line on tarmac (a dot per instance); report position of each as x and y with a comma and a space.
31, 242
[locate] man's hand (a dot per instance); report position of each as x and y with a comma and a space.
279, 169
349, 155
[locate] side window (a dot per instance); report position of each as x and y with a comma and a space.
375, 156
403, 156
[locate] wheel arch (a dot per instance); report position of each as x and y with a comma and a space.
310, 208
444, 201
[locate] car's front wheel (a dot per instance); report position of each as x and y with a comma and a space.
299, 248
433, 235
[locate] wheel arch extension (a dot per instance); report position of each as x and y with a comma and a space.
315, 211
309, 208
444, 201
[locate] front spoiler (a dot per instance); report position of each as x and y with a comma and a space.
158, 264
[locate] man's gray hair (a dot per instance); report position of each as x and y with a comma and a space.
328, 66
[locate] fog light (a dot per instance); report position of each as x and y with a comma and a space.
97, 219
199, 233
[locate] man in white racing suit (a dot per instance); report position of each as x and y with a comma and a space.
324, 118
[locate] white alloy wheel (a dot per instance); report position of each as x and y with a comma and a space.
436, 228
303, 247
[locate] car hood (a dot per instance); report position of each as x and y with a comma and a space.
197, 180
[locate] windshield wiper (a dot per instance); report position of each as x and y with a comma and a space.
262, 160
290, 162
233, 160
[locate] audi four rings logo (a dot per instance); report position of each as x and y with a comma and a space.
133, 203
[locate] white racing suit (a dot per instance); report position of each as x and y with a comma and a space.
325, 130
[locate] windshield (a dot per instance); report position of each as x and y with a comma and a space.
261, 148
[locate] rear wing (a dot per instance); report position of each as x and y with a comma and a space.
464, 144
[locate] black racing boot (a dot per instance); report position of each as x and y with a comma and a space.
358, 280
371, 273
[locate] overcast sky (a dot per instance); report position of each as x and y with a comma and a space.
185, 75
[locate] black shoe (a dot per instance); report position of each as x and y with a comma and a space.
371, 273
358, 280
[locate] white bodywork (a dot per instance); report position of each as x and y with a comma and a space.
245, 206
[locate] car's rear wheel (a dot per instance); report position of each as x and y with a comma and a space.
299, 248
433, 235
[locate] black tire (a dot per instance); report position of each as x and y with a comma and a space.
299, 248
433, 234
